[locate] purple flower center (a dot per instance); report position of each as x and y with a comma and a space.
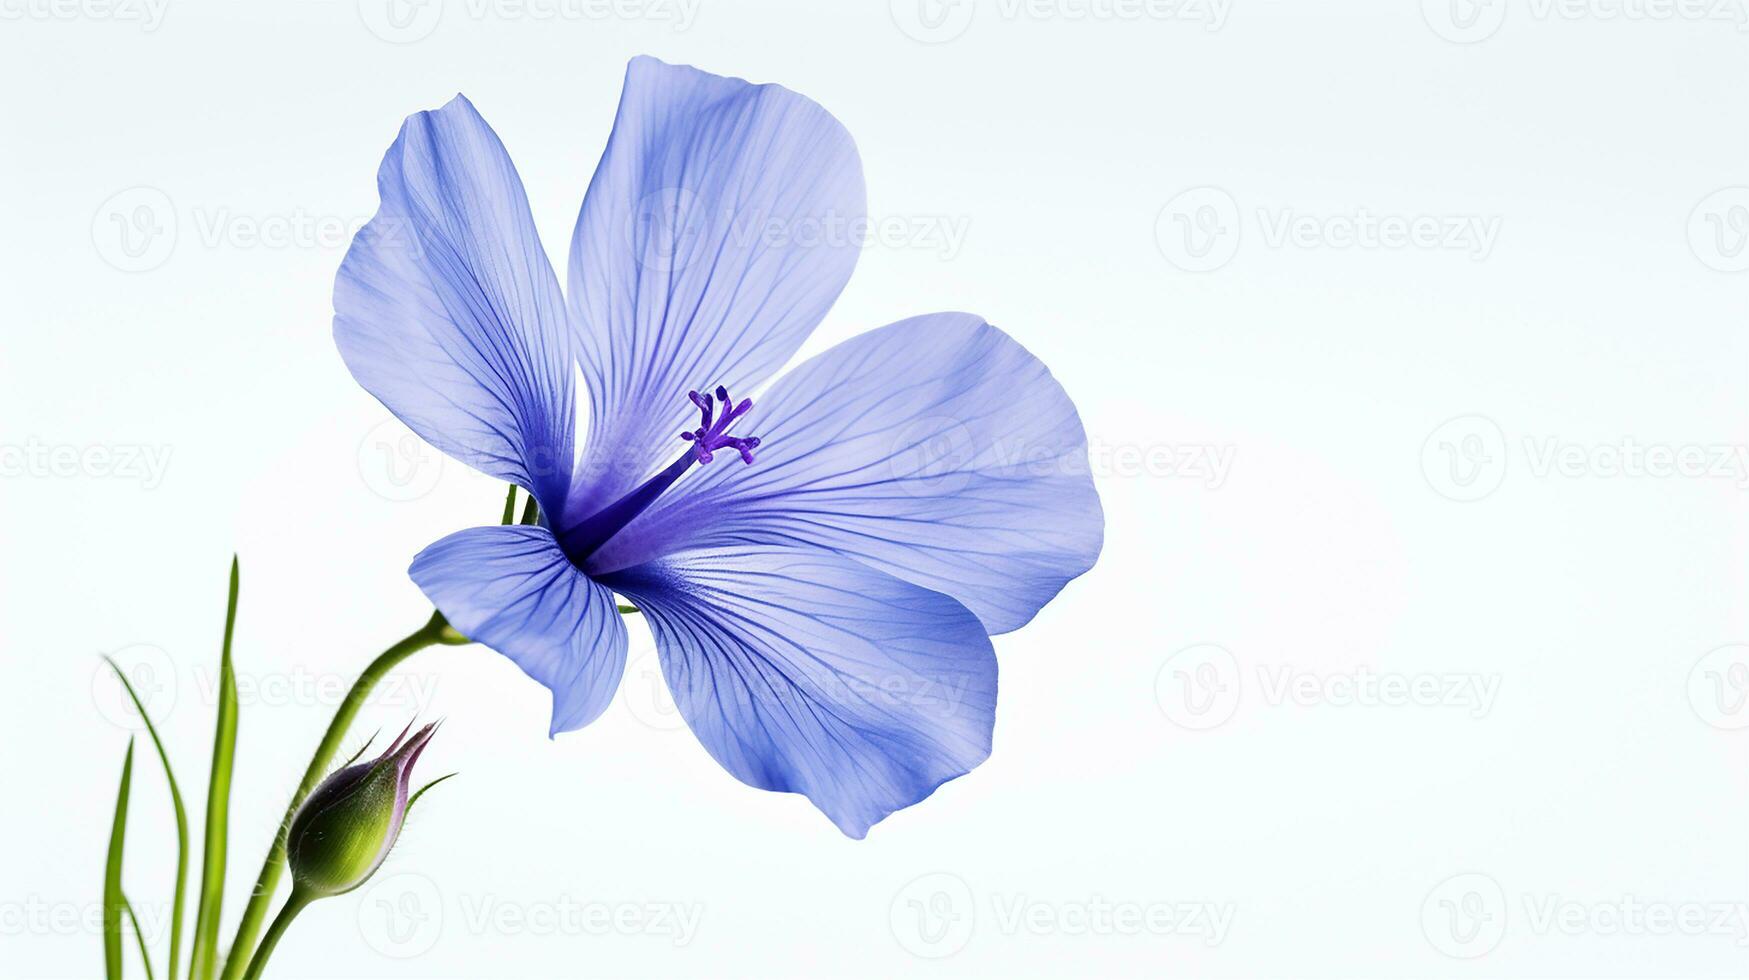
712, 435
709, 438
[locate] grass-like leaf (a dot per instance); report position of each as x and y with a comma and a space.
181, 819
139, 934
113, 902
203, 960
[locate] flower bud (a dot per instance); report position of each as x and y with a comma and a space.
345, 827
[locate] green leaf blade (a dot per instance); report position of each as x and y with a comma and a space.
203, 957
113, 902
181, 818
139, 934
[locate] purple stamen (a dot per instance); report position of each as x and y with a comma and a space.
712, 435
583, 538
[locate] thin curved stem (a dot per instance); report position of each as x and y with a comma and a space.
436, 631
281, 922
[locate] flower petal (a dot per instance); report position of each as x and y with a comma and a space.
804, 672
935, 449
447, 310
511, 588
720, 226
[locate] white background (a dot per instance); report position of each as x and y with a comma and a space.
1497, 660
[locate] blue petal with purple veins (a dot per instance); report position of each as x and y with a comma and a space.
710, 245
511, 588
935, 449
804, 672
446, 309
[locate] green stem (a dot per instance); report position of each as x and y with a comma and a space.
281, 922
437, 630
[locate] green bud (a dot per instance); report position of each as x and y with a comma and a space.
348, 823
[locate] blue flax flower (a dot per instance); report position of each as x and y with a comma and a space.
822, 567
